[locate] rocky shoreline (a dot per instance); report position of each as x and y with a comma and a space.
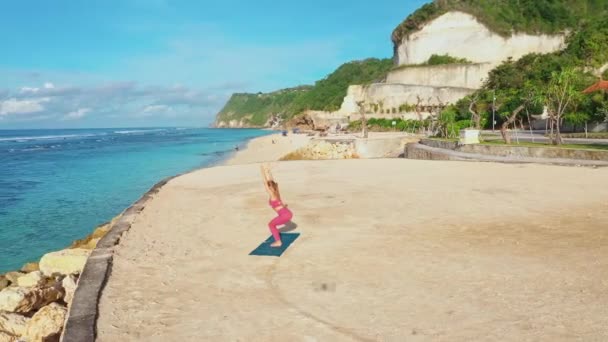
35, 299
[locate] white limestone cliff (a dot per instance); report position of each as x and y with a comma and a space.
461, 35
456, 34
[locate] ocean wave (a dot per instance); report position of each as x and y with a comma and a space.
139, 131
49, 137
36, 148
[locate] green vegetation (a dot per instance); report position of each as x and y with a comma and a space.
327, 94
385, 125
524, 87
435, 60
446, 59
506, 16
521, 88
585, 136
257, 108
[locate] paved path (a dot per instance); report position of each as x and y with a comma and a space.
391, 250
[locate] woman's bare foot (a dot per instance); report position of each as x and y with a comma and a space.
277, 244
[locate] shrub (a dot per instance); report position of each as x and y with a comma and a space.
446, 59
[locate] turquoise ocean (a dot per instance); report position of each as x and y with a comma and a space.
58, 185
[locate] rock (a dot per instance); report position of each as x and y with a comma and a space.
26, 299
90, 242
12, 323
13, 276
3, 283
46, 325
67, 261
69, 286
30, 267
31, 279
4, 337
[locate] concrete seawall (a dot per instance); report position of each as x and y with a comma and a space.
449, 150
520, 151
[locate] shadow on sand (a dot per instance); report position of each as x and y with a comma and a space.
289, 227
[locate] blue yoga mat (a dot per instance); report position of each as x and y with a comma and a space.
265, 250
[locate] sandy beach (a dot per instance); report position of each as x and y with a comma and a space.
391, 250
264, 150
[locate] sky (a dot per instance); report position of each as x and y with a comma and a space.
165, 63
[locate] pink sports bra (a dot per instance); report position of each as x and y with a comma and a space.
275, 204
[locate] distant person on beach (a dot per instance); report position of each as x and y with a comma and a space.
284, 215
236, 148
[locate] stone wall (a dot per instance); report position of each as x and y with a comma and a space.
535, 152
520, 151
382, 147
461, 35
324, 150
349, 148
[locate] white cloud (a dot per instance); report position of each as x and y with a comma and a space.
108, 103
156, 109
14, 106
77, 114
36, 90
29, 90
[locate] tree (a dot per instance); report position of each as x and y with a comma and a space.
510, 120
561, 95
361, 105
476, 118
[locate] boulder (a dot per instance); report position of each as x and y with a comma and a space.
4, 337
26, 299
31, 279
30, 267
12, 323
3, 282
90, 242
13, 276
69, 286
46, 325
67, 261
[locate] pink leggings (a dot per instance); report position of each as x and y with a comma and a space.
285, 216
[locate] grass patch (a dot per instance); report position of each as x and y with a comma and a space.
445, 139
548, 145
583, 136
436, 60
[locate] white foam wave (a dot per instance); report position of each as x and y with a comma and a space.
49, 137
139, 131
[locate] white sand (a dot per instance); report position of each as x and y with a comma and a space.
391, 250
263, 150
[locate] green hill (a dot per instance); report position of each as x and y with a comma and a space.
326, 94
587, 49
507, 16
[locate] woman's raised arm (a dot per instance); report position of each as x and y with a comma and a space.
264, 170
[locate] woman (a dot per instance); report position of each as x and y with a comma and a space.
284, 214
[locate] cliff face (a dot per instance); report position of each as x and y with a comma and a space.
449, 75
478, 34
456, 34
459, 34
